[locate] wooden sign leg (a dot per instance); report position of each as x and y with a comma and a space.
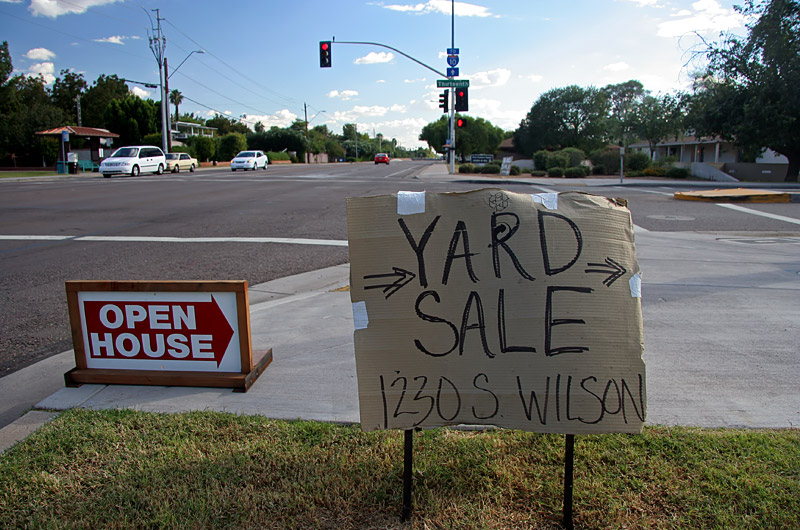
569, 455
408, 459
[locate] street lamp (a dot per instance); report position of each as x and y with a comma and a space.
167, 75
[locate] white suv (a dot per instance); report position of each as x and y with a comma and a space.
134, 160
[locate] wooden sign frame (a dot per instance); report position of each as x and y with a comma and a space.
252, 364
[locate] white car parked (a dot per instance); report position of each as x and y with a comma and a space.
134, 160
249, 160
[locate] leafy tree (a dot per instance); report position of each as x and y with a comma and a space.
65, 92
435, 134
132, 118
657, 119
259, 127
230, 145
5, 63
751, 91
102, 92
564, 117
226, 125
25, 109
176, 98
622, 100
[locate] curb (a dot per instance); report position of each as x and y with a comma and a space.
735, 195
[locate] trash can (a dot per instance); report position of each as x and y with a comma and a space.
73, 168
61, 167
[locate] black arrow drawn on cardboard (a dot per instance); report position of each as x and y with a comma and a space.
610, 267
403, 277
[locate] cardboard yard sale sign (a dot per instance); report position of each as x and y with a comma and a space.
492, 307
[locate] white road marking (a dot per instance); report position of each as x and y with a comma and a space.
762, 214
147, 239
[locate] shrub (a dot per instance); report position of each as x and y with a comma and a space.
574, 156
466, 168
490, 169
598, 170
654, 171
607, 159
678, 173
538, 173
204, 148
540, 160
183, 149
152, 139
515, 170
637, 161
558, 159
230, 144
574, 173
281, 155
555, 171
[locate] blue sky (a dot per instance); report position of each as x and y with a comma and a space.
262, 62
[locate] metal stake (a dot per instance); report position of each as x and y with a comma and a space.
569, 455
408, 459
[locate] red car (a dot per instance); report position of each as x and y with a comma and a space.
382, 158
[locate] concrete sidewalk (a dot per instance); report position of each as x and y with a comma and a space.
697, 289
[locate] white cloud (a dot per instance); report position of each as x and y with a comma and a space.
708, 17
372, 58
445, 7
117, 39
419, 80
45, 69
617, 67
496, 77
55, 8
281, 118
645, 3
397, 108
40, 54
142, 93
344, 95
381, 81
535, 78
492, 111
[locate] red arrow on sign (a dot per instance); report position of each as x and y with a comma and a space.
183, 331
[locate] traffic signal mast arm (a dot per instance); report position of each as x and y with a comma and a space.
393, 49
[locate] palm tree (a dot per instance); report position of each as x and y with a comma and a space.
176, 98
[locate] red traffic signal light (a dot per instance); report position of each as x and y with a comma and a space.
325, 54
462, 100
460, 122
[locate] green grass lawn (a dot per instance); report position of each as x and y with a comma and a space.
125, 469
17, 174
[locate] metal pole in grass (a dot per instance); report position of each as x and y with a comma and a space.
408, 456
569, 455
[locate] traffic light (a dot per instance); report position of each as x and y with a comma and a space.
460, 122
325, 54
444, 100
462, 100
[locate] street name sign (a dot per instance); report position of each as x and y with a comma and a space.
492, 307
162, 333
453, 83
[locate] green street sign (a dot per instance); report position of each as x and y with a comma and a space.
454, 83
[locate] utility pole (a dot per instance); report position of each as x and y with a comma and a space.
166, 106
158, 44
78, 99
305, 114
452, 148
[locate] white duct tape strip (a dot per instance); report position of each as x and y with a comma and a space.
360, 318
410, 202
549, 200
636, 285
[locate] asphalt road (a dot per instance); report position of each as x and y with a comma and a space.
91, 228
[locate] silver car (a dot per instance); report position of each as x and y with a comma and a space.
134, 160
249, 160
